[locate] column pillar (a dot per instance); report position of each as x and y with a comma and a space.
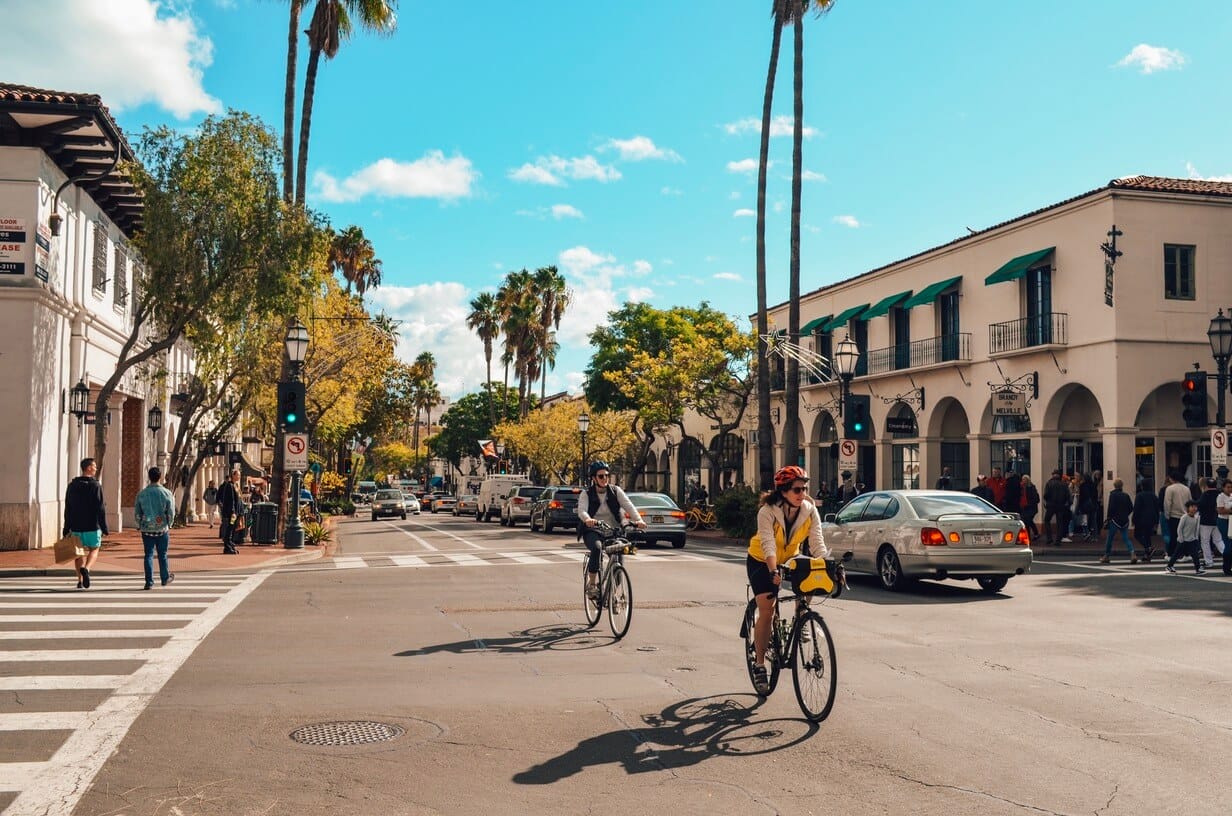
1119, 459
930, 461
980, 455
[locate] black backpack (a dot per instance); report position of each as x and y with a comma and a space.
592, 505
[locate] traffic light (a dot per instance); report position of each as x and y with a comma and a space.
291, 407
1193, 400
347, 467
856, 422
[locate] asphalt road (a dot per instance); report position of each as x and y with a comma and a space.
1080, 690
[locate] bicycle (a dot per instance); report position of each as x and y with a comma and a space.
700, 515
811, 658
615, 589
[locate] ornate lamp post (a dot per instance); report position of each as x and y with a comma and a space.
297, 348
154, 422
846, 355
1220, 336
583, 427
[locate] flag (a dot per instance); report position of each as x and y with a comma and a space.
487, 448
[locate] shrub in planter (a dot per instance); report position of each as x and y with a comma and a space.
315, 534
736, 511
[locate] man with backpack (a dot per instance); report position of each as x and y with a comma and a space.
602, 502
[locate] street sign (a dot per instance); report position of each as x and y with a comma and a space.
848, 455
1219, 446
1009, 403
316, 468
295, 452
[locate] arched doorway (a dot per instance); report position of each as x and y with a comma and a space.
1075, 412
689, 476
901, 428
949, 422
728, 453
825, 442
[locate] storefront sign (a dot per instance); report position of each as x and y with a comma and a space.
12, 246
901, 425
1009, 403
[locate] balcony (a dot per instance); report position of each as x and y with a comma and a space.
946, 348
1048, 329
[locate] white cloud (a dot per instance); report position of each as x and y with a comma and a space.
671, 191
130, 52
743, 166
728, 276
744, 213
642, 268
1152, 58
638, 294
433, 176
847, 221
810, 175
552, 169
778, 206
640, 148
593, 274
580, 260
779, 126
1194, 174
560, 211
733, 196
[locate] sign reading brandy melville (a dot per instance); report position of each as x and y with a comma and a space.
1009, 403
13, 244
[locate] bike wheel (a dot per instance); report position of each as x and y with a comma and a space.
619, 601
691, 522
772, 664
814, 672
589, 604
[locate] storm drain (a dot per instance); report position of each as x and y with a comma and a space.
347, 732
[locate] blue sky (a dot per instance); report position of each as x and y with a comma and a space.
619, 140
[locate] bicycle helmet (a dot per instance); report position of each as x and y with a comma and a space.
597, 466
789, 474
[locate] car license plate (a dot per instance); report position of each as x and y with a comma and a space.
656, 519
980, 540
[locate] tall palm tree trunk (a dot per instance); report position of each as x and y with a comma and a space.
305, 122
791, 393
765, 432
487, 358
288, 105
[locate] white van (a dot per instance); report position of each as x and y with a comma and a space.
493, 491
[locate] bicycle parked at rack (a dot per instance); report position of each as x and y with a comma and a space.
803, 645
700, 515
615, 589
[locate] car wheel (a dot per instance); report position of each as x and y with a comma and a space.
534, 528
993, 583
512, 521
547, 527
678, 543
890, 570
404, 516
374, 516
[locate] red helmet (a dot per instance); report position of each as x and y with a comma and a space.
789, 474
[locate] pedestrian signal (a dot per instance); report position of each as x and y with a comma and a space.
1194, 401
291, 407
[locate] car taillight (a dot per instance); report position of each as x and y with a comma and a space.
554, 505
1023, 538
932, 537
677, 514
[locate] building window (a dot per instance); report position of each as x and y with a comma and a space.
905, 467
120, 288
900, 324
947, 307
1012, 455
100, 257
859, 335
956, 456
1178, 272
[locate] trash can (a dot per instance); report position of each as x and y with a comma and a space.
264, 523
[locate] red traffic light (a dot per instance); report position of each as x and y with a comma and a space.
1190, 384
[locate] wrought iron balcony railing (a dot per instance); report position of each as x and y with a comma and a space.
945, 348
1048, 329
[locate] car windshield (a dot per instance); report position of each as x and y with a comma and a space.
931, 505
388, 494
468, 497
652, 500
530, 492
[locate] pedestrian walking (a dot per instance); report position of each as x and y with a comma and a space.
1176, 494
1223, 507
210, 497
847, 490
1011, 498
1056, 510
1030, 506
1096, 519
1120, 508
982, 489
85, 516
1209, 538
996, 483
155, 510
1145, 518
945, 481
1187, 538
231, 508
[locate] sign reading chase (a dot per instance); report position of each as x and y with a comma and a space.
1009, 403
12, 246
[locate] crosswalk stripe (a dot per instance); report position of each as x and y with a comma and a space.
54, 682
16, 775
407, 560
65, 655
44, 721
525, 558
60, 634
93, 604
350, 562
97, 617
468, 543
465, 559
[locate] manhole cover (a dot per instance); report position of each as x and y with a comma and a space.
348, 732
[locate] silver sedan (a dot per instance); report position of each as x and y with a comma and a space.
903, 535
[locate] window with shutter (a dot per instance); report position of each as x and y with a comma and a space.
100, 257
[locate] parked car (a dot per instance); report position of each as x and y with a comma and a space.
516, 505
466, 505
492, 493
388, 503
442, 503
412, 503
904, 535
555, 507
665, 521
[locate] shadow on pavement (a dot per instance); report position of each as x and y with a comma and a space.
868, 589
682, 735
1182, 591
549, 637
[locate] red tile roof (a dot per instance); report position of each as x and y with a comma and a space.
24, 93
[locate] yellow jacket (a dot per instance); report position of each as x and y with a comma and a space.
770, 526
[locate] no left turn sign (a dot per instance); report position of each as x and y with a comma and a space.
295, 452
1219, 446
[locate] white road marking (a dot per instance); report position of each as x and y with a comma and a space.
98, 617
466, 559
468, 543
85, 634
44, 721
407, 560
53, 655
525, 558
50, 682
349, 562
58, 784
91, 604
412, 536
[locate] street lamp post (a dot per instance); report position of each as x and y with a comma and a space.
154, 422
1220, 336
500, 457
846, 355
297, 348
583, 427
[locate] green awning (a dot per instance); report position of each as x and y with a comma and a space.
885, 304
812, 325
842, 318
929, 293
1018, 267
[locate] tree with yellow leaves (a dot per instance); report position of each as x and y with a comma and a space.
549, 439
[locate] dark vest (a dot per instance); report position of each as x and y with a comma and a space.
592, 505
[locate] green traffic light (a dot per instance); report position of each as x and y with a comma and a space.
290, 418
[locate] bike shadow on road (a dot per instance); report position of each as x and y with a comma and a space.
548, 637
680, 736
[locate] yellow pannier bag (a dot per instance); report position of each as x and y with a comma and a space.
810, 575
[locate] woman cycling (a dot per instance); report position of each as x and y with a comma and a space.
603, 502
788, 524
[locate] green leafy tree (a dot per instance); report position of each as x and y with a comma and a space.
353, 257
466, 422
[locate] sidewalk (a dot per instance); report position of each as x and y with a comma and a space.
194, 548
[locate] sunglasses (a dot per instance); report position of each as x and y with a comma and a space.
796, 490
602, 475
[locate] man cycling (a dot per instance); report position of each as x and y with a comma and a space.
788, 524
604, 502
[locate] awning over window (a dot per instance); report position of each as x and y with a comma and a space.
929, 293
813, 325
885, 304
1016, 268
841, 319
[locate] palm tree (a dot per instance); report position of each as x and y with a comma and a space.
484, 320
765, 450
331, 24
352, 255
547, 354
288, 105
423, 372
518, 311
554, 297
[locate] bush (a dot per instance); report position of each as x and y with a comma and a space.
315, 534
736, 510
338, 507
